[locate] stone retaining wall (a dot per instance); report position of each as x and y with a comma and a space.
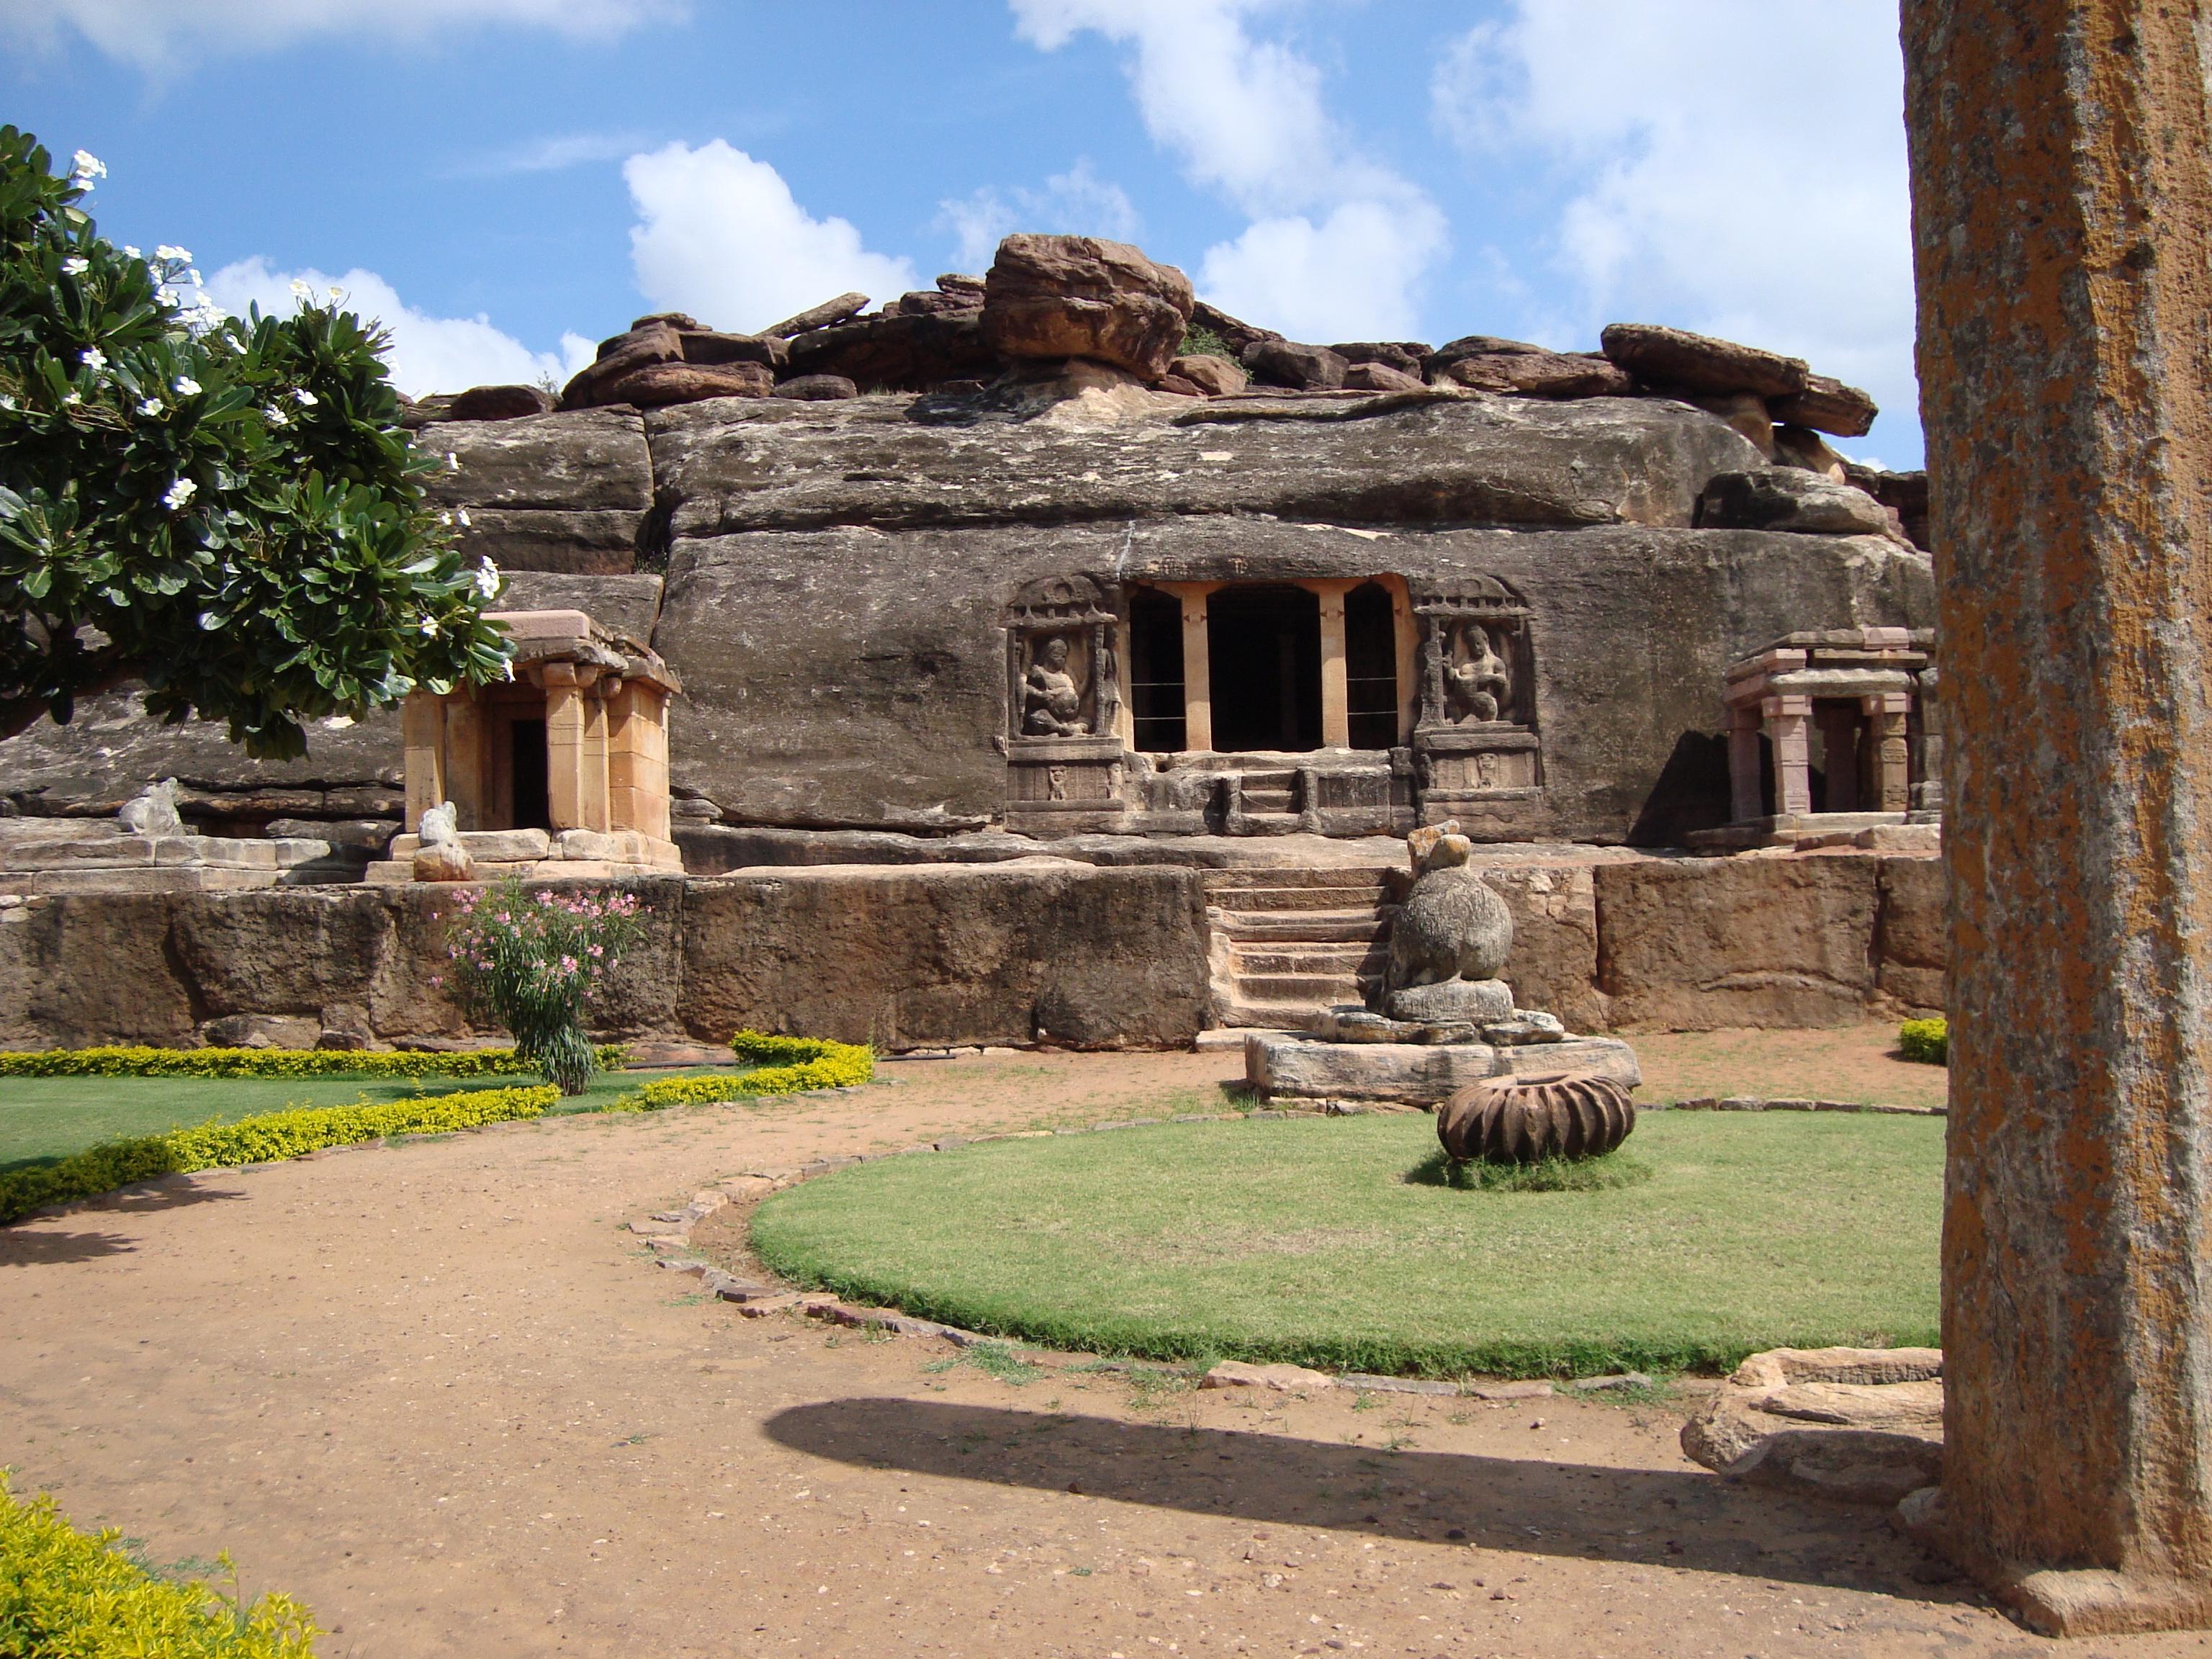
1038, 950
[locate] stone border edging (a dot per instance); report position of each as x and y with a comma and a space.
667, 1234
1753, 1104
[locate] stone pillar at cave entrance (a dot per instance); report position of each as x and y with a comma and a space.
2062, 178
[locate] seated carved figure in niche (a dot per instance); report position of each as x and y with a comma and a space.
1478, 687
1052, 707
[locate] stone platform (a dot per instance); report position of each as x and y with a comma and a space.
1420, 1074
536, 854
99, 855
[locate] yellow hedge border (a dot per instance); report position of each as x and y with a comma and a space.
1925, 1040
63, 1591
271, 1062
784, 1066
260, 1140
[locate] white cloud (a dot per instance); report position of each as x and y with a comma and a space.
1077, 202
1339, 246
719, 235
157, 34
554, 154
1733, 166
1352, 275
428, 354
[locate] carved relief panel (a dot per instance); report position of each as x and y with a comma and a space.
1064, 758
1476, 740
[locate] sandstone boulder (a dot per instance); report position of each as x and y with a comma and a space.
816, 388
1913, 945
1535, 374
1802, 448
650, 343
1176, 386
654, 385
826, 314
1674, 358
1864, 1425
1301, 367
1905, 494
1744, 410
1232, 331
262, 1031
1381, 377
1217, 377
896, 352
1078, 296
1407, 357
1787, 498
936, 302
709, 347
1828, 406
499, 403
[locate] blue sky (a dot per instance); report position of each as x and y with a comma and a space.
505, 181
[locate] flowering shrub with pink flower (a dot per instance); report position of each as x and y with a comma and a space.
531, 959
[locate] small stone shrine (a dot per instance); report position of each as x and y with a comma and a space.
1832, 730
561, 771
1446, 1020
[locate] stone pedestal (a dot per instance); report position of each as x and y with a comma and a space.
1063, 785
2061, 152
1417, 1074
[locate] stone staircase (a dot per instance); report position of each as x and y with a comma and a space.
1288, 944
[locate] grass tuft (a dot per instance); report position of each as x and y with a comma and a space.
1549, 1175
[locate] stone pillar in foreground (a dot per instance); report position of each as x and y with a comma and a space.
2062, 208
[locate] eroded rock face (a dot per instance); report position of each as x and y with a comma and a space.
725, 468
1533, 373
499, 403
1789, 498
1080, 296
1863, 1424
1217, 377
588, 460
818, 694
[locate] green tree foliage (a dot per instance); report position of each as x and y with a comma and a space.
226, 510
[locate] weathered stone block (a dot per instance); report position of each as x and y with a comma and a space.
582, 461
91, 969
1081, 955
1697, 944
1912, 943
529, 538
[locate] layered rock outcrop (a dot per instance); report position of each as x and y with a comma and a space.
836, 557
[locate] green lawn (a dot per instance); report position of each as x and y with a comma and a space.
43, 1119
1304, 1241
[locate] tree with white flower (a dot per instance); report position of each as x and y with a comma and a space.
223, 510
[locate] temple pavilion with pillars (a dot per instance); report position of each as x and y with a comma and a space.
1340, 706
561, 771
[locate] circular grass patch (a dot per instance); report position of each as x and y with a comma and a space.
1316, 1241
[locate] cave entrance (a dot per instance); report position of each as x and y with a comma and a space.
1263, 650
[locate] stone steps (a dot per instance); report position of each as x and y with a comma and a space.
1291, 943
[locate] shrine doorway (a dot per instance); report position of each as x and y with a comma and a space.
1263, 648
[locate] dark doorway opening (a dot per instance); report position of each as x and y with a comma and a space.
1264, 652
1156, 688
533, 805
1371, 666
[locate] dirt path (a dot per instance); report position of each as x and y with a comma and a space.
435, 1391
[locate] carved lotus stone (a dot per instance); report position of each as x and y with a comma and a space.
1521, 1119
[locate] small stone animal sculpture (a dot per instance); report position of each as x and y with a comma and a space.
153, 811
1451, 925
442, 856
1525, 1119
